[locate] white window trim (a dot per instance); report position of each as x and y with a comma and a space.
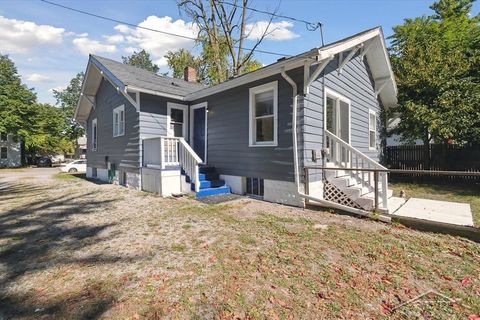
117, 110
94, 137
184, 107
370, 111
337, 96
251, 119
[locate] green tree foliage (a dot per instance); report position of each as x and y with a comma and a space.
205, 64
436, 61
67, 101
182, 58
41, 126
142, 60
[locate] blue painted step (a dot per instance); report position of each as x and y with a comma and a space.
212, 192
210, 184
204, 184
205, 176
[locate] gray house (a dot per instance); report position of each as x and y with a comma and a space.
10, 151
269, 133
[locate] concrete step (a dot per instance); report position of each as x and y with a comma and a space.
343, 182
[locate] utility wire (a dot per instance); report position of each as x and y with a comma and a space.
310, 26
153, 30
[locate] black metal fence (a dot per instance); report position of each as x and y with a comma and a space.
435, 157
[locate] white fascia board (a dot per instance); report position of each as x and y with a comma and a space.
346, 45
84, 81
155, 93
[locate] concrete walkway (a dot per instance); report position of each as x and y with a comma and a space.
439, 211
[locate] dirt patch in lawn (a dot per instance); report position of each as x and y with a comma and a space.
73, 249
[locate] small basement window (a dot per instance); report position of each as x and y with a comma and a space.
3, 153
255, 187
94, 172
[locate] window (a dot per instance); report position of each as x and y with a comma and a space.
3, 153
176, 120
94, 172
263, 115
372, 130
119, 121
255, 187
94, 134
3, 136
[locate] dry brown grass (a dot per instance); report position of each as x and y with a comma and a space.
73, 249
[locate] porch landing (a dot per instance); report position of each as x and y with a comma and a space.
439, 211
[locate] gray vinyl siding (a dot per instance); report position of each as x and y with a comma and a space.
355, 83
153, 116
123, 150
228, 133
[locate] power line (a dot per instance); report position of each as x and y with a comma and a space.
150, 29
311, 26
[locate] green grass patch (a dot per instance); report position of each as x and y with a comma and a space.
444, 192
70, 176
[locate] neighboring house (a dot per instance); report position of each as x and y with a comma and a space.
81, 150
10, 151
396, 139
253, 134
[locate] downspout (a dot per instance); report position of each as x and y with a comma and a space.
322, 202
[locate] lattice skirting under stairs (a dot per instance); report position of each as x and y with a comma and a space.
334, 194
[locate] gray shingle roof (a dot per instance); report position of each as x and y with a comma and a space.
140, 78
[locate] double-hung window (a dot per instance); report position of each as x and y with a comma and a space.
372, 130
94, 134
119, 121
263, 115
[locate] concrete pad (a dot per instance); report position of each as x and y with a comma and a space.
394, 203
440, 211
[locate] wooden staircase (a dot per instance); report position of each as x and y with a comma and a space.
354, 183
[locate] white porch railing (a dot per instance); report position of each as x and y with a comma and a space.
164, 152
344, 155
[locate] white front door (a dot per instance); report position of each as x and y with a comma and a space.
177, 119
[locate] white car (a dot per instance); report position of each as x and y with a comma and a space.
75, 166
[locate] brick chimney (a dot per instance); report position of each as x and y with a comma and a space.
190, 74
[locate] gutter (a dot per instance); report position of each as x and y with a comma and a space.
322, 202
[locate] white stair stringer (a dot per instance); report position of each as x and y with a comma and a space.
361, 196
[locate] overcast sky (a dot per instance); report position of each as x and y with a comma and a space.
49, 45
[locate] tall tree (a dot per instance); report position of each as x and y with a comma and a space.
42, 127
67, 100
178, 60
142, 60
222, 32
436, 61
